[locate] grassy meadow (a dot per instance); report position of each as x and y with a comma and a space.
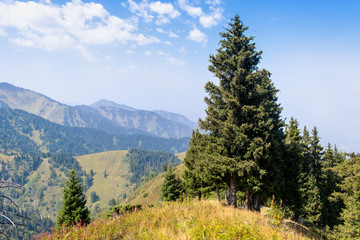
182, 220
111, 179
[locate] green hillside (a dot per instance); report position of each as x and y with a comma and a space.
110, 170
149, 193
106, 179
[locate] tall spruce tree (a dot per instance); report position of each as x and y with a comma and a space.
243, 125
73, 209
291, 194
310, 176
172, 188
331, 182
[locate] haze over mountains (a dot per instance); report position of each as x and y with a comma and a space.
103, 115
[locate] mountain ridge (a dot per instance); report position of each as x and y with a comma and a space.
103, 115
21, 131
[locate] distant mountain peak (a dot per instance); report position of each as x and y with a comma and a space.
9, 87
107, 103
103, 115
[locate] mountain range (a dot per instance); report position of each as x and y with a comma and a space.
103, 115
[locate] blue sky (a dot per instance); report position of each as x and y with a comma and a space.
153, 54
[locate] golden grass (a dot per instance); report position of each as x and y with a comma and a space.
149, 193
181, 220
117, 170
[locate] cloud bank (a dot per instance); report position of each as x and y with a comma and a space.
74, 25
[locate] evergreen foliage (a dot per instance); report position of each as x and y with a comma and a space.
73, 209
142, 163
310, 176
18, 128
291, 194
121, 209
243, 124
330, 184
172, 187
349, 171
200, 174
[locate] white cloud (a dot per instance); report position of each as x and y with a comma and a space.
197, 36
160, 30
170, 34
141, 10
141, 39
161, 53
206, 20
170, 59
192, 11
74, 25
163, 11
213, 2
148, 53
173, 35
168, 43
211, 19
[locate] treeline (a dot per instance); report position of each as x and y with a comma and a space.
316, 185
22, 132
244, 148
143, 163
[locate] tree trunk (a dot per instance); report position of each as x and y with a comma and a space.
247, 200
257, 202
199, 195
217, 193
226, 195
232, 191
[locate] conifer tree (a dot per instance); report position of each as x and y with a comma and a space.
172, 188
243, 124
310, 176
349, 171
73, 209
291, 194
331, 181
202, 174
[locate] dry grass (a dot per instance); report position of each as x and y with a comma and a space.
116, 182
149, 193
181, 220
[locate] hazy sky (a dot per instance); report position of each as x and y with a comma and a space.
153, 54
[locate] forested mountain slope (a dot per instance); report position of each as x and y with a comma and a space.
107, 178
24, 132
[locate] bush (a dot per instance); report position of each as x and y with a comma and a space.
276, 212
121, 209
